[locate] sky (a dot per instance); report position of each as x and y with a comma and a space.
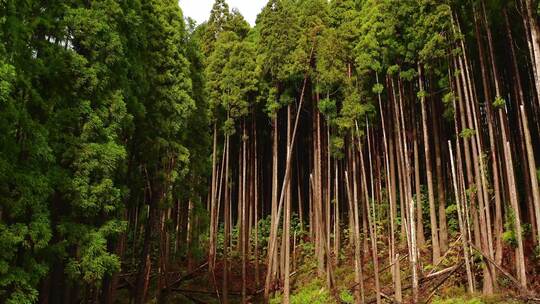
199, 10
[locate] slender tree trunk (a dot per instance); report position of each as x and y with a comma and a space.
189, 234
397, 143
287, 220
371, 218
520, 254
467, 153
443, 231
110, 289
394, 257
213, 211
328, 188
350, 199
319, 239
530, 10
462, 229
143, 277
227, 224
337, 231
300, 206
274, 226
256, 203
243, 214
409, 203
429, 173
480, 210
418, 190
392, 169
532, 169
493, 147
460, 181
272, 256
526, 132
358, 277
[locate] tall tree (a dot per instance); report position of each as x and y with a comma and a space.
161, 125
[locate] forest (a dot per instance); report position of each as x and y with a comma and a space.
338, 151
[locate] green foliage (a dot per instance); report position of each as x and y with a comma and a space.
452, 217
96, 261
219, 17
467, 133
263, 229
353, 111
378, 88
458, 301
346, 296
231, 76
499, 102
536, 253
472, 190
509, 234
332, 60
328, 107
311, 292
277, 26
336, 146
448, 101
408, 75
102, 83
105, 108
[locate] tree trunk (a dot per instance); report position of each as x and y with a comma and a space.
429, 173
244, 224
462, 229
143, 277
274, 226
520, 254
418, 191
532, 169
227, 224
443, 231
372, 230
526, 132
394, 258
337, 231
213, 211
287, 220
493, 145
358, 277
534, 42
256, 203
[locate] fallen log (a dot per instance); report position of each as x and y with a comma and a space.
443, 271
525, 291
188, 275
206, 292
452, 271
445, 255
421, 281
380, 271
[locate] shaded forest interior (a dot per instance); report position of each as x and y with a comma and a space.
342, 151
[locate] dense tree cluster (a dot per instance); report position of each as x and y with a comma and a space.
369, 107
100, 101
395, 137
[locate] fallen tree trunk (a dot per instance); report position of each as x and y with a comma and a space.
506, 273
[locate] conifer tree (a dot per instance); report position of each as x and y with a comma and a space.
138, 148
160, 128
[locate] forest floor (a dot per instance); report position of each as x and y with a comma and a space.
444, 283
